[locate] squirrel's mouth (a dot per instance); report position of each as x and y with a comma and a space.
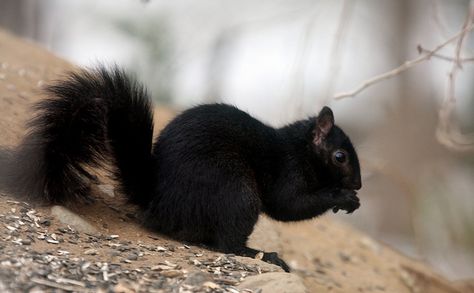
348, 203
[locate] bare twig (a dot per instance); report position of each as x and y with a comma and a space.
422, 50
335, 58
440, 23
405, 66
298, 84
298, 87
447, 132
438, 19
460, 41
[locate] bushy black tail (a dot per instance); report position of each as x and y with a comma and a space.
91, 116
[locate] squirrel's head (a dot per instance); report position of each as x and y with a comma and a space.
336, 152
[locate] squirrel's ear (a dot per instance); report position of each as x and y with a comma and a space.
324, 124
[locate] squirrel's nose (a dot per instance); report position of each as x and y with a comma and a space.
356, 184
350, 183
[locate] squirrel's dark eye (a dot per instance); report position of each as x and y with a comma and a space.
340, 156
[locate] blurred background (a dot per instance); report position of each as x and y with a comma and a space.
282, 60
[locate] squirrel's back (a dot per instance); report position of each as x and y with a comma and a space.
213, 129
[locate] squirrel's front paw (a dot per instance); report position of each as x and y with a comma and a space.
347, 201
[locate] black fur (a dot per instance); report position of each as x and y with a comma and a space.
209, 174
88, 116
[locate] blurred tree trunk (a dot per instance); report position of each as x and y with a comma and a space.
21, 17
219, 62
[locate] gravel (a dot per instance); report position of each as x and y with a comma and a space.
33, 259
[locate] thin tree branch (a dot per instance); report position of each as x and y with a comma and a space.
440, 23
297, 93
405, 66
336, 49
447, 132
438, 19
422, 50
460, 41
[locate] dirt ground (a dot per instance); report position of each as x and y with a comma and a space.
39, 252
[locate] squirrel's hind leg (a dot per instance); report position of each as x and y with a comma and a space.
233, 233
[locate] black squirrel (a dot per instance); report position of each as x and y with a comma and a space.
205, 179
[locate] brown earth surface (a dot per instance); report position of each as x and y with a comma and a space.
123, 257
